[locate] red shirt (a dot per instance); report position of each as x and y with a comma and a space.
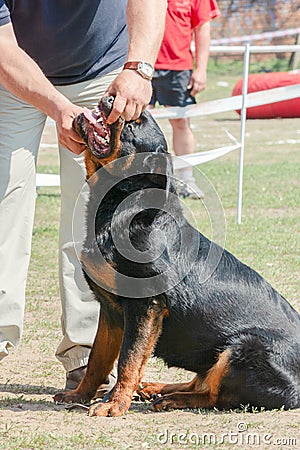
182, 17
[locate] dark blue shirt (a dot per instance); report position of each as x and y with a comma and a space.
71, 40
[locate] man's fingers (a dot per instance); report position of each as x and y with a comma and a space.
190, 85
71, 140
118, 108
193, 91
132, 94
196, 88
74, 147
75, 136
138, 111
132, 111
129, 111
77, 148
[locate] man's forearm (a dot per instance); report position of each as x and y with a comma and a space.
146, 23
22, 77
202, 43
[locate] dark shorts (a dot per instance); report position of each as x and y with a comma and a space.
170, 88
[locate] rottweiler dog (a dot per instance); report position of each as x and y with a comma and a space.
174, 294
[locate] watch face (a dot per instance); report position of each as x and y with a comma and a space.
146, 68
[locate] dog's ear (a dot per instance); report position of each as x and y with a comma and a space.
159, 169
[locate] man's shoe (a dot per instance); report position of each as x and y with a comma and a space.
189, 189
74, 377
106, 387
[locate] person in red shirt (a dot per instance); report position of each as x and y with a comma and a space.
176, 81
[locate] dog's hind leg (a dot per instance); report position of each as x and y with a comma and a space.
201, 395
264, 373
147, 390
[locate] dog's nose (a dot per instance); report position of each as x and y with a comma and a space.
106, 103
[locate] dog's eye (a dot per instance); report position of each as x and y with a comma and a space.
130, 127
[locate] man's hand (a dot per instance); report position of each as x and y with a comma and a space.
132, 94
66, 134
197, 82
145, 24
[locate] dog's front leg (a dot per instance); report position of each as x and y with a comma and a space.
143, 323
105, 351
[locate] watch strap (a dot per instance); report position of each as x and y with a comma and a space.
135, 65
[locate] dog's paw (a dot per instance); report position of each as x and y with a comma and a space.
70, 397
149, 390
165, 402
108, 409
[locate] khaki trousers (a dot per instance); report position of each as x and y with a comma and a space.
21, 127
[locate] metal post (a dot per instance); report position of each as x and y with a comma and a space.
242, 131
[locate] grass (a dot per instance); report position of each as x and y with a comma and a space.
219, 66
268, 239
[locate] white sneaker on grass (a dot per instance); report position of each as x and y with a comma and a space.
189, 189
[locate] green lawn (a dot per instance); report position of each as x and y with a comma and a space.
268, 239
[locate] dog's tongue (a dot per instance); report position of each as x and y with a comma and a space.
93, 119
88, 114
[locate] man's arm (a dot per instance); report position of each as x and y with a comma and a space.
22, 77
146, 22
202, 43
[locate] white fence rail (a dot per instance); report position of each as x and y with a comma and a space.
240, 102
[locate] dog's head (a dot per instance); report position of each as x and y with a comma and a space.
106, 143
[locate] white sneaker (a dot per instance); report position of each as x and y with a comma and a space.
189, 189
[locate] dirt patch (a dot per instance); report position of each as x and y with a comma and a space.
31, 375
29, 419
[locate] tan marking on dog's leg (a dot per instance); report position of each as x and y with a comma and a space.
104, 352
138, 344
204, 395
215, 375
102, 274
146, 390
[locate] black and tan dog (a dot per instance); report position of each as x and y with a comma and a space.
240, 336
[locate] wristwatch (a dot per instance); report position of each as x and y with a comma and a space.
145, 69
